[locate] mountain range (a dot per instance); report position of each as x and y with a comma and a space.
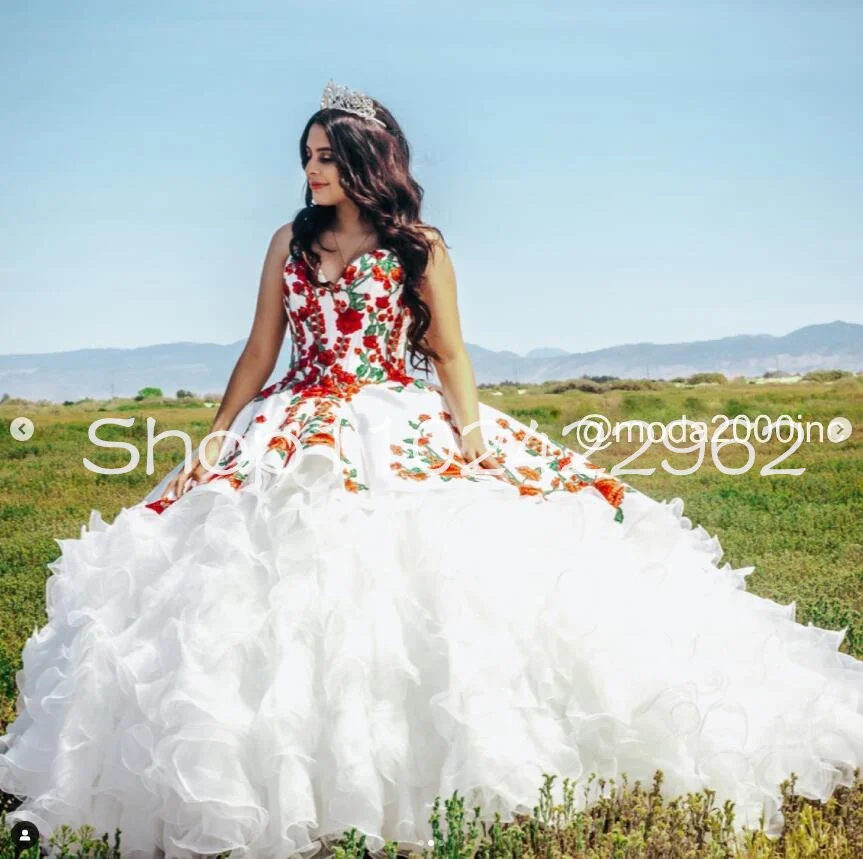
204, 368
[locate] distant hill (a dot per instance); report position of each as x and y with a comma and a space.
206, 367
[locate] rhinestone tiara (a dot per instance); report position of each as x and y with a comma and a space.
353, 101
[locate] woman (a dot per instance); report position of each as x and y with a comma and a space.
373, 591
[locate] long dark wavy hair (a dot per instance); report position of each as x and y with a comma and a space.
374, 167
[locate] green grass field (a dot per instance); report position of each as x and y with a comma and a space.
802, 533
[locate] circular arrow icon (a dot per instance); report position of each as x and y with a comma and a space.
839, 429
21, 429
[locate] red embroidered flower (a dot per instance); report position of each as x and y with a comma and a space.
382, 302
260, 419
370, 341
403, 378
327, 357
160, 504
349, 321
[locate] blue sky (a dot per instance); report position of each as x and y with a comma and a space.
605, 173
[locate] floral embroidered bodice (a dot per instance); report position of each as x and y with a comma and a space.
349, 333
350, 336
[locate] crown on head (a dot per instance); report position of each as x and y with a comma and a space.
344, 98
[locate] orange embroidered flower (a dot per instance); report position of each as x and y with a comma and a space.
279, 442
575, 485
396, 449
233, 479
351, 485
321, 438
538, 444
613, 490
524, 489
528, 473
502, 422
453, 469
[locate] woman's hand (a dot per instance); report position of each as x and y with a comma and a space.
178, 485
473, 447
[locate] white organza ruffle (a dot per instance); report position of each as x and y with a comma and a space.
258, 669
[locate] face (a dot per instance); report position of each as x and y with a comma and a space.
322, 173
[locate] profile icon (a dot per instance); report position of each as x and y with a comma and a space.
24, 835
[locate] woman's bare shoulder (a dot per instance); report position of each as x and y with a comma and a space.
438, 242
282, 236
430, 231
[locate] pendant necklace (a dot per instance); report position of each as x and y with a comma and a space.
321, 277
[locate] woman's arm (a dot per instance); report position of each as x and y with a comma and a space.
256, 361
259, 356
454, 369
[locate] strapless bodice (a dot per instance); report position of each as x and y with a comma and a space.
348, 334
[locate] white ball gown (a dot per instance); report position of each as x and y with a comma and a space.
348, 625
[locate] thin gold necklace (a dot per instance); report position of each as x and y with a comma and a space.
321, 277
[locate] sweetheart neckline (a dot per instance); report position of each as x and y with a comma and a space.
354, 261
